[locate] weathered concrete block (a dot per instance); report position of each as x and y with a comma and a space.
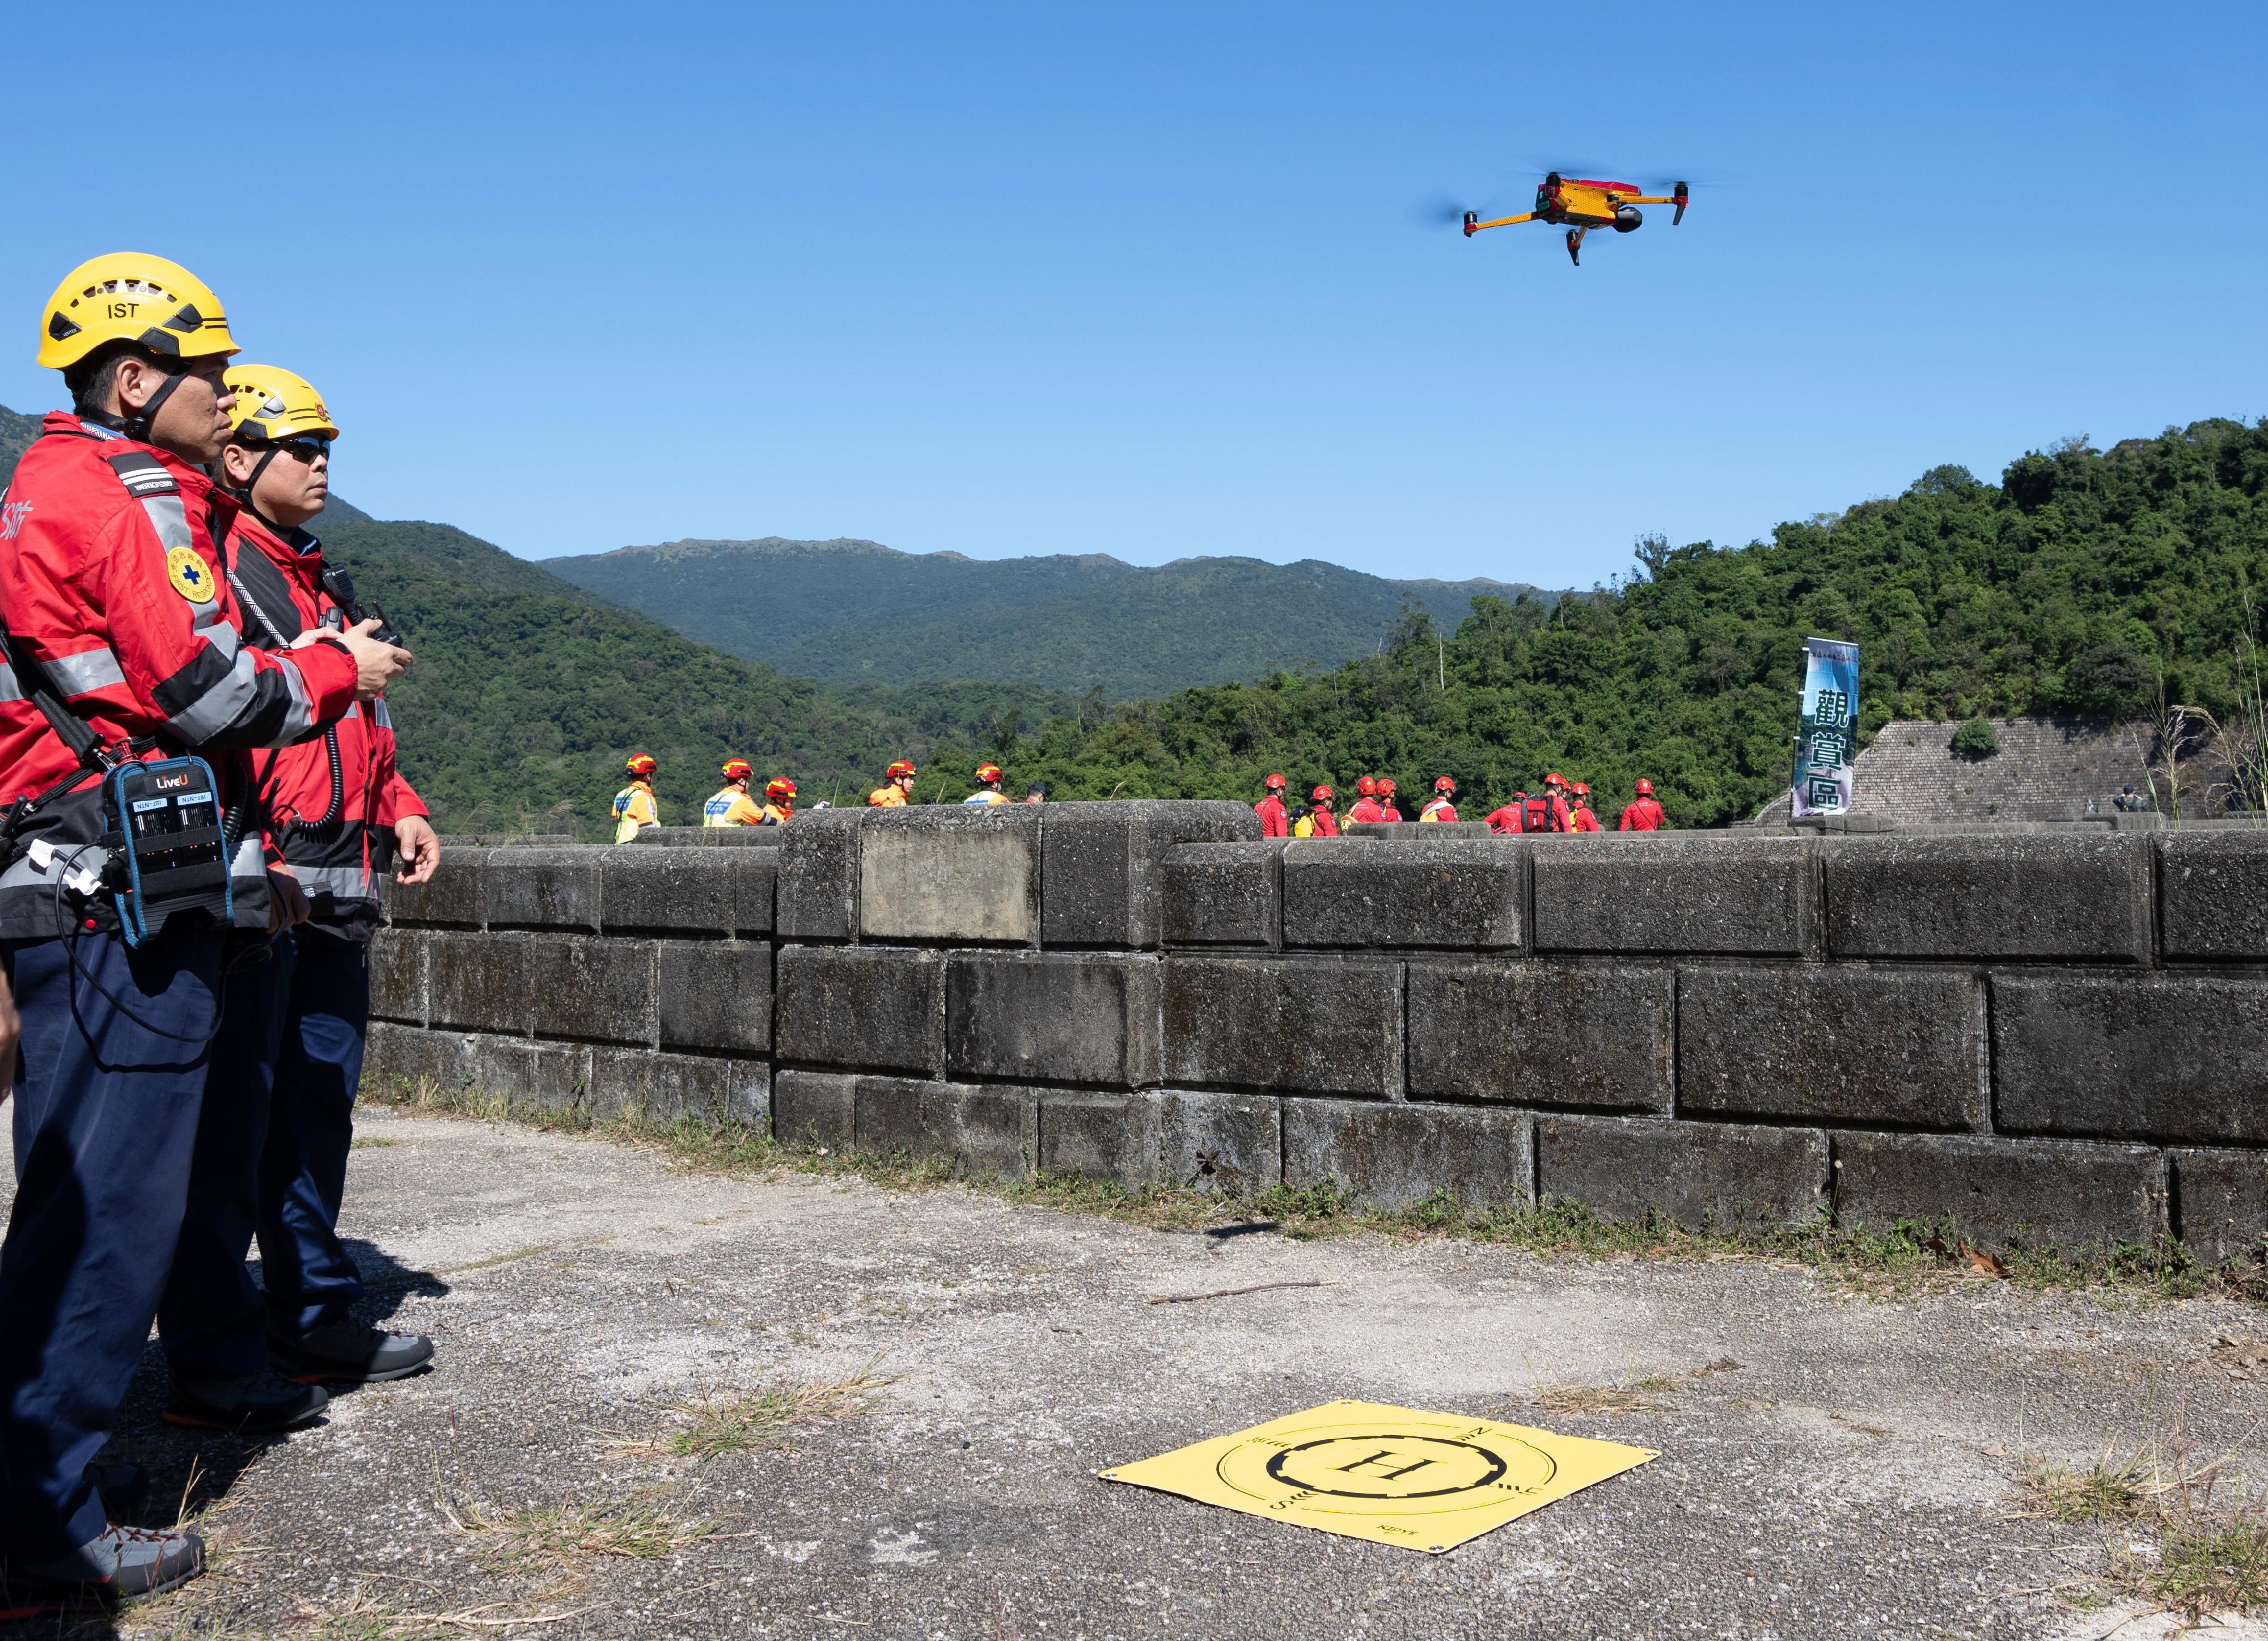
989, 1131
1414, 830
876, 1008
815, 1110
2031, 1193
2223, 1197
1607, 894
1543, 1033
1224, 893
1100, 1136
407, 1056
2132, 1057
543, 888
1885, 1046
2043, 895
1462, 894
1067, 1016
716, 994
1102, 865
1233, 1143
1313, 1026
478, 982
817, 895
601, 991
1398, 1155
2213, 893
946, 871
1694, 1175
709, 837
687, 891
451, 898
547, 1076
397, 975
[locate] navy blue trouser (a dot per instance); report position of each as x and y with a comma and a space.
271, 1160
106, 1121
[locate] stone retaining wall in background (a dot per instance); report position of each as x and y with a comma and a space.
2051, 1036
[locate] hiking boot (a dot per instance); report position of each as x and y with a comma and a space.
257, 1404
125, 1488
346, 1352
128, 1562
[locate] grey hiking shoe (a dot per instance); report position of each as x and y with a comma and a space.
257, 1404
346, 1352
128, 1562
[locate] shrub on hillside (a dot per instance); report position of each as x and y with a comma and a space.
1976, 738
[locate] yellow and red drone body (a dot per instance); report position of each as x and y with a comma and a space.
1586, 203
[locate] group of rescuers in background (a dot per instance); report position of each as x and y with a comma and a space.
1561, 807
636, 808
184, 1078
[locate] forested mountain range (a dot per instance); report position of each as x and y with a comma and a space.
2102, 582
854, 611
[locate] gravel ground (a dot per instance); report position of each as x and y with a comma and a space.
1832, 1466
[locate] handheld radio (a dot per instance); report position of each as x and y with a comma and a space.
169, 855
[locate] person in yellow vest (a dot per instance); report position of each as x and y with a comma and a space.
897, 788
635, 809
987, 791
731, 805
779, 801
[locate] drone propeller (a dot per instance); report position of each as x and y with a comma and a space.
1437, 210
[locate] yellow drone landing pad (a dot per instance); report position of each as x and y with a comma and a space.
1424, 1481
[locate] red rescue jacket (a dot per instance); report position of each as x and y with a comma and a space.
1644, 815
1441, 809
1324, 822
1275, 820
329, 803
1581, 819
110, 576
1365, 809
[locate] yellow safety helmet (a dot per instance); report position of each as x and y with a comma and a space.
273, 404
131, 296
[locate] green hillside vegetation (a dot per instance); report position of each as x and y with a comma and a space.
859, 612
16, 432
2092, 582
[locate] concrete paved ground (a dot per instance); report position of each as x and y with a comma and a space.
1851, 1476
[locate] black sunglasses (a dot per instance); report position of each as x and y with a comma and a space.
307, 447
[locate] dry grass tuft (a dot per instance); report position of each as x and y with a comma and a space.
1654, 1394
640, 1527
743, 1421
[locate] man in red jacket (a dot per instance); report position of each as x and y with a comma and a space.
1579, 815
1366, 802
279, 1109
1275, 820
1644, 815
111, 582
1385, 790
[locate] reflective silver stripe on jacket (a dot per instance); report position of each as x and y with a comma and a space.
379, 714
78, 674
169, 518
251, 860
341, 883
221, 705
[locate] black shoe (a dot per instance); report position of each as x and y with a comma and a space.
257, 1404
346, 1352
125, 1564
125, 1488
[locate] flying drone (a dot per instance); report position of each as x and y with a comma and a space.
1587, 204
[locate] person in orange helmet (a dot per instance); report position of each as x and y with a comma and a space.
731, 805
1319, 822
1386, 809
1275, 819
1444, 806
1579, 817
897, 788
989, 787
779, 801
1643, 814
1366, 802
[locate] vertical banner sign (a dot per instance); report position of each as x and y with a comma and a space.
1830, 738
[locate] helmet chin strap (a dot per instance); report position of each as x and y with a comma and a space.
135, 423
243, 492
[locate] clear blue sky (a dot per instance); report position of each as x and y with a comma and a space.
1143, 279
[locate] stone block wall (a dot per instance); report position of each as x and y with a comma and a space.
2058, 1038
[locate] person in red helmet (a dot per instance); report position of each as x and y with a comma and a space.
731, 805
1644, 815
897, 788
1579, 816
635, 808
779, 801
1275, 820
1319, 822
1558, 816
1366, 801
989, 789
1386, 809
1444, 806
